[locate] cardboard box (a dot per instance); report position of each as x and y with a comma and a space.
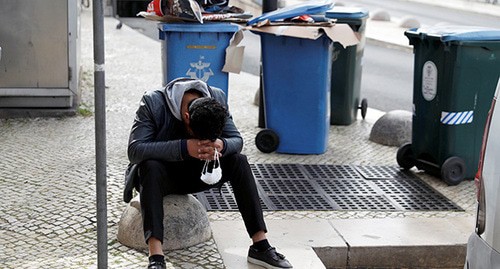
340, 33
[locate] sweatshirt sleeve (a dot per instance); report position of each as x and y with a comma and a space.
233, 141
142, 141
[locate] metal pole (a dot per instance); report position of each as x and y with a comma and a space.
100, 134
267, 6
115, 11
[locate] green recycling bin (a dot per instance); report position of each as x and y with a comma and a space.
347, 68
455, 76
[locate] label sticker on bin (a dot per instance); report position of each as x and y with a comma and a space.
429, 80
457, 118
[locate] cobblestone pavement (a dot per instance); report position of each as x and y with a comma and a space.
48, 214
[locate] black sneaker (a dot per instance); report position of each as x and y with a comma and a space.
157, 265
269, 259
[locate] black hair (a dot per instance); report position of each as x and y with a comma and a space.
207, 118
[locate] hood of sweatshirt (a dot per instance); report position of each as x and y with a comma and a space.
175, 89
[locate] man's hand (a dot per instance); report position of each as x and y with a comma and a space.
204, 149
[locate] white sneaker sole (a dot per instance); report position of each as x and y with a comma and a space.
261, 263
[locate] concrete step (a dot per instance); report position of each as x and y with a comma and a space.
380, 243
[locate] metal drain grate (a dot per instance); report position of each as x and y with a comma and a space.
338, 186
221, 202
424, 202
332, 171
363, 202
213, 200
287, 186
383, 172
300, 202
333, 187
403, 186
277, 171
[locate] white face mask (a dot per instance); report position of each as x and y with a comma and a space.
212, 177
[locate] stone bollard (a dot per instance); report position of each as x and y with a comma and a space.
409, 22
380, 15
392, 129
185, 223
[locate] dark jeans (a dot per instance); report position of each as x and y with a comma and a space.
159, 178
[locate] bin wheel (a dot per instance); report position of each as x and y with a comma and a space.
363, 107
267, 141
404, 156
453, 170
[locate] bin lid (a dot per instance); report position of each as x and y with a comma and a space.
347, 13
306, 8
197, 27
447, 33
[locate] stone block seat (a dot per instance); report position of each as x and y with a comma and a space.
185, 223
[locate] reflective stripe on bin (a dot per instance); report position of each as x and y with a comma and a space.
456, 118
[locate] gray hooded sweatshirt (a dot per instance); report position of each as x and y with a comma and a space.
175, 91
158, 131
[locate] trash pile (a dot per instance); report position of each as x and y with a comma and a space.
309, 13
305, 20
194, 11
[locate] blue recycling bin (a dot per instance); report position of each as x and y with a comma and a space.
196, 50
296, 90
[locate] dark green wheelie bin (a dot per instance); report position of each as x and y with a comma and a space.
347, 68
455, 76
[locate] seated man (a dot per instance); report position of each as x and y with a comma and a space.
179, 134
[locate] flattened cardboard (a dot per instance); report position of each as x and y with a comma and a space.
165, 18
341, 33
234, 54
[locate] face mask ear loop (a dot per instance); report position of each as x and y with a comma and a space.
205, 167
216, 159
217, 164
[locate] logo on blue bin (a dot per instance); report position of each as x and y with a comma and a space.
200, 70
